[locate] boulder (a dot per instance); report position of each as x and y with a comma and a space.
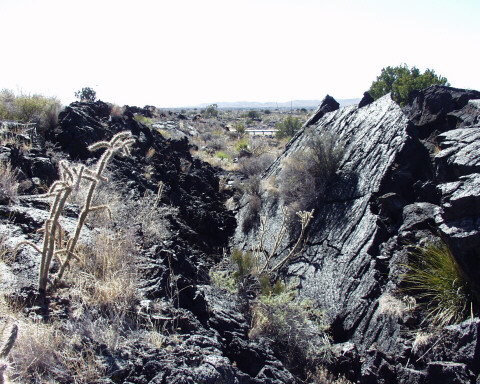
366, 100
428, 108
458, 170
328, 104
392, 188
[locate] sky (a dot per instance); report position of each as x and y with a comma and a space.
179, 53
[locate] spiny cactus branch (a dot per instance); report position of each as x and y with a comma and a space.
117, 145
305, 218
8, 344
60, 190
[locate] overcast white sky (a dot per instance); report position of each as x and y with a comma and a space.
186, 52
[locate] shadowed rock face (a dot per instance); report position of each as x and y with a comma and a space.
458, 218
328, 104
340, 268
429, 107
392, 188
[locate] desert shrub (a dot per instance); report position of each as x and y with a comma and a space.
86, 94
240, 128
205, 136
7, 104
217, 142
321, 375
288, 127
252, 213
38, 109
116, 110
296, 331
244, 262
269, 289
44, 353
326, 152
211, 111
106, 275
252, 185
223, 155
143, 120
296, 183
8, 183
305, 174
231, 276
251, 166
224, 279
437, 281
253, 115
241, 145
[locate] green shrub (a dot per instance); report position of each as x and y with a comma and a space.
401, 80
268, 289
437, 281
143, 120
241, 145
244, 262
86, 94
288, 127
224, 279
223, 155
29, 109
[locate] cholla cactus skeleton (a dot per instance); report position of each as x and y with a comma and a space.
70, 179
118, 145
5, 349
305, 218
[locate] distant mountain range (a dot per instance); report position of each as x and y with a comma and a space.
309, 104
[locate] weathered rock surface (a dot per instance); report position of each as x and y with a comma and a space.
391, 189
328, 104
458, 168
209, 336
430, 107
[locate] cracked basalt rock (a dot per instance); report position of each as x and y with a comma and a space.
458, 218
391, 189
208, 340
428, 108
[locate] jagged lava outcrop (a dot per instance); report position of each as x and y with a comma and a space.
407, 174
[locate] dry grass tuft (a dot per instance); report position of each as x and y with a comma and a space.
389, 305
323, 376
106, 276
8, 183
437, 282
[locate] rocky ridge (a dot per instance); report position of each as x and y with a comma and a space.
406, 175
205, 337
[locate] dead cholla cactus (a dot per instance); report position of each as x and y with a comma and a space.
118, 145
6, 347
70, 179
298, 248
